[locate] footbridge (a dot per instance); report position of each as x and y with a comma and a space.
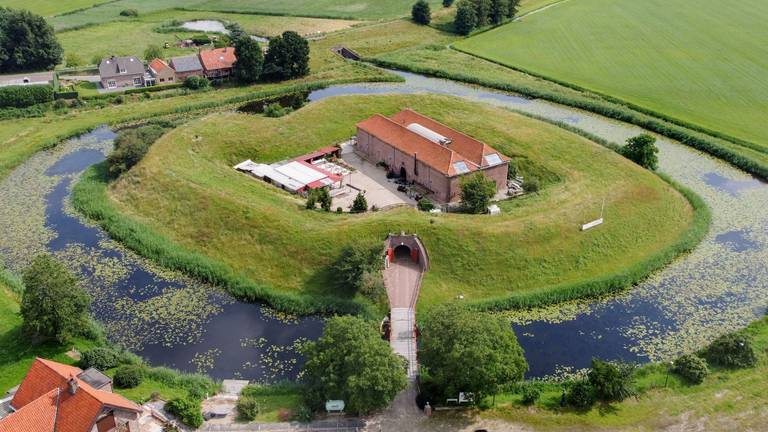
406, 261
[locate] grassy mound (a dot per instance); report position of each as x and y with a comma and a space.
663, 56
185, 190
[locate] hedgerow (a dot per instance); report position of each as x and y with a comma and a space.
24, 96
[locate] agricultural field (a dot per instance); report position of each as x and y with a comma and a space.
264, 234
98, 41
49, 8
701, 64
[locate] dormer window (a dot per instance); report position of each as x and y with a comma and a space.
122, 69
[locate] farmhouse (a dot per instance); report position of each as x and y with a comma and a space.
428, 153
301, 174
62, 398
161, 72
186, 66
217, 63
117, 72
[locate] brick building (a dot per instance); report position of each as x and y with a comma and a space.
428, 153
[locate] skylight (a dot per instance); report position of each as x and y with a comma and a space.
460, 167
492, 159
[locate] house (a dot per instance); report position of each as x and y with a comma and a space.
59, 398
35, 78
161, 72
119, 72
186, 67
217, 63
428, 153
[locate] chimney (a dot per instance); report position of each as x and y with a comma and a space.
73, 386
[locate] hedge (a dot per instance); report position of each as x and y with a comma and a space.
25, 95
615, 109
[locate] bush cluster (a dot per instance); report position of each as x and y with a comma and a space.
128, 376
101, 358
611, 381
580, 395
130, 147
425, 204
531, 394
24, 96
732, 350
472, 14
196, 82
692, 368
421, 13
248, 408
129, 13
275, 110
188, 410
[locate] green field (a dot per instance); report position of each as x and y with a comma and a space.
701, 63
186, 190
48, 8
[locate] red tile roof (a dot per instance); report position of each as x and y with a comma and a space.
76, 413
394, 131
36, 416
219, 58
158, 65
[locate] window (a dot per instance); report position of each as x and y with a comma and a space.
461, 167
122, 69
137, 81
111, 84
492, 159
170, 79
162, 80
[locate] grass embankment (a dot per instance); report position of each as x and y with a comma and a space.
138, 33
186, 191
698, 64
727, 400
48, 8
436, 60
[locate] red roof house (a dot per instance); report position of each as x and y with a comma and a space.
218, 63
56, 397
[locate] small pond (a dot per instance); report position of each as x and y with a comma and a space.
293, 100
214, 26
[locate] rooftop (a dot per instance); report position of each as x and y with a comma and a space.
117, 66
186, 63
219, 58
157, 65
442, 148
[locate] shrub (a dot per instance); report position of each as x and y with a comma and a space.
371, 286
733, 350
303, 414
425, 204
99, 358
580, 395
360, 204
24, 96
128, 376
611, 381
130, 147
531, 185
447, 3
692, 368
421, 12
275, 110
73, 60
476, 193
642, 150
354, 262
531, 394
248, 408
187, 410
129, 13
196, 82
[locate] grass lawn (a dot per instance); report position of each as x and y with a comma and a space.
49, 8
700, 64
727, 400
274, 399
186, 190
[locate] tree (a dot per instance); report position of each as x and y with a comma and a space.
466, 17
353, 363
152, 52
476, 193
642, 150
130, 147
196, 82
27, 42
360, 204
465, 353
354, 262
512, 8
499, 11
53, 304
287, 58
236, 31
611, 381
324, 198
483, 11
447, 3
250, 60
421, 13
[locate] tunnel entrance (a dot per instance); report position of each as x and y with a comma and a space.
402, 252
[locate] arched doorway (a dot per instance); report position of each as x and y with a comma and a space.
402, 252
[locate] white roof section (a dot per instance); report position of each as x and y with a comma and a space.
493, 159
300, 172
428, 134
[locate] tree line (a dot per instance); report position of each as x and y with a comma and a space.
286, 58
470, 14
